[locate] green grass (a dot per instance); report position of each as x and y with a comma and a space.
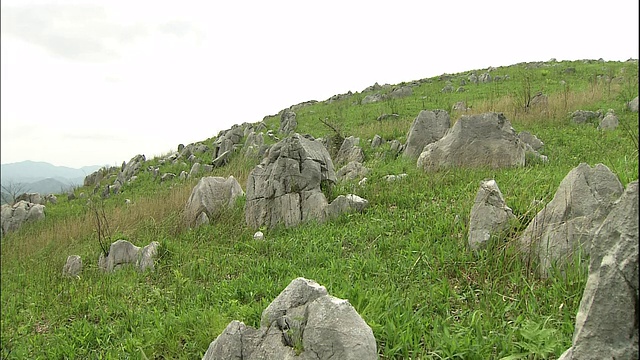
403, 263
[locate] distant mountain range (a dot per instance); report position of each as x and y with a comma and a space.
42, 177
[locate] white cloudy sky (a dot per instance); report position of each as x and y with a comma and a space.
97, 82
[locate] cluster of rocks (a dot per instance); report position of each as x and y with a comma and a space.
593, 216
14, 216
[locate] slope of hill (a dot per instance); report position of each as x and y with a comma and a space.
403, 263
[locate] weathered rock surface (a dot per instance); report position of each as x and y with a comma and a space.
428, 127
228, 140
483, 140
211, 196
490, 215
73, 266
122, 253
607, 320
285, 187
303, 322
567, 223
14, 216
288, 123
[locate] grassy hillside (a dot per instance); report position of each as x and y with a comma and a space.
403, 263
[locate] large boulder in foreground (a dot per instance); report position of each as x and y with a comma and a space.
428, 127
567, 223
483, 140
303, 322
607, 320
210, 197
13, 216
285, 188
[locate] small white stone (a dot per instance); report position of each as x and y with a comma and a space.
258, 235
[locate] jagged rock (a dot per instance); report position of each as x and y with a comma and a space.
94, 178
253, 143
288, 123
352, 170
483, 140
285, 187
376, 141
183, 175
473, 78
73, 266
583, 116
350, 151
447, 88
122, 252
130, 169
303, 322
228, 140
428, 127
633, 105
211, 196
609, 122
567, 223
489, 215
14, 216
607, 320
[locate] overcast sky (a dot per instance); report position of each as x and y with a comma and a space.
97, 82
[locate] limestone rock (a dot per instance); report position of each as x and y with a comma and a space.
14, 216
609, 122
285, 187
489, 215
211, 196
483, 140
122, 252
288, 123
350, 150
72, 267
607, 320
428, 127
303, 322
567, 223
